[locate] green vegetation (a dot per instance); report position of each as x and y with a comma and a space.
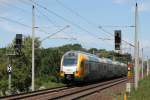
47, 65
48, 82
143, 92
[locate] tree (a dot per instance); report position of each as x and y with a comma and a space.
3, 72
22, 64
92, 50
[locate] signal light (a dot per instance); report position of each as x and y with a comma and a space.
117, 39
77, 73
129, 66
129, 69
61, 73
18, 43
18, 39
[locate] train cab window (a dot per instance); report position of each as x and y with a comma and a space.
69, 61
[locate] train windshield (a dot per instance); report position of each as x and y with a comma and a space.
69, 61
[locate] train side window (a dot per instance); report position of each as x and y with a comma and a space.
82, 63
89, 66
105, 67
101, 66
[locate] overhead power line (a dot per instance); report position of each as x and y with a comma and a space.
14, 21
76, 25
83, 18
17, 22
56, 32
73, 11
122, 26
14, 6
48, 19
91, 23
105, 31
22, 24
63, 18
121, 40
41, 13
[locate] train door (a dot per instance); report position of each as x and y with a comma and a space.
83, 68
87, 71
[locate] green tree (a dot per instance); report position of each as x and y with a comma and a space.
22, 65
3, 72
92, 50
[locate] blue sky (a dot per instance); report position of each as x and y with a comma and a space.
83, 17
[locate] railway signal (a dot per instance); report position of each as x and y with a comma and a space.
18, 43
129, 70
117, 39
9, 70
128, 84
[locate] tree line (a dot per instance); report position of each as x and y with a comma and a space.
47, 63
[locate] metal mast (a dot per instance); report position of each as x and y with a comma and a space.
136, 49
142, 63
147, 66
33, 38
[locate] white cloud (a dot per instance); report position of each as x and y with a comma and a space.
7, 1
121, 1
13, 28
145, 44
145, 6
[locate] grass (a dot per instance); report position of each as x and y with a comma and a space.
143, 91
52, 84
44, 82
48, 82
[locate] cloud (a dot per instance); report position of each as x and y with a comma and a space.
121, 1
145, 44
142, 7
145, 6
13, 27
7, 1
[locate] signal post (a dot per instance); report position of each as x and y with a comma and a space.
128, 84
129, 76
11, 54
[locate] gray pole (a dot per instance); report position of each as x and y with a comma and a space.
136, 50
9, 81
9, 70
93, 52
142, 63
147, 66
138, 60
33, 37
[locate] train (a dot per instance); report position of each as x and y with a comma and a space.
83, 67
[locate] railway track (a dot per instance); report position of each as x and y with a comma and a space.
67, 93
34, 93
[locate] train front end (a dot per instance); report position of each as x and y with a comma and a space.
69, 66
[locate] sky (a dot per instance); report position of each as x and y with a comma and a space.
88, 22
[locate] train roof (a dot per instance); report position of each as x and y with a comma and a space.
90, 56
93, 57
77, 52
106, 60
116, 62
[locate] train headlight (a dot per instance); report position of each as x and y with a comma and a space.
62, 74
77, 73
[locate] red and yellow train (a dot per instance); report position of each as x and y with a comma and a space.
81, 66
